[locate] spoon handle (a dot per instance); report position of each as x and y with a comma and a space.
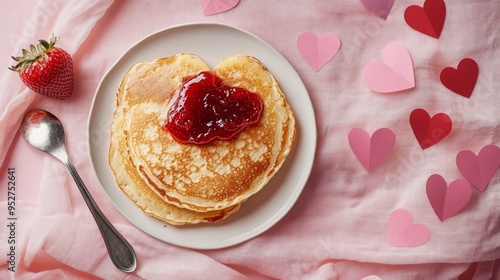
120, 251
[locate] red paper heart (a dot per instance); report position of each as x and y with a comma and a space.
427, 130
429, 19
469, 273
463, 79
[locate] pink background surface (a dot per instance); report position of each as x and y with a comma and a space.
20, 156
338, 228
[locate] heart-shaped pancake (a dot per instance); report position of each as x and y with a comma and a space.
209, 178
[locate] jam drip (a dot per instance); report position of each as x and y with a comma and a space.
206, 109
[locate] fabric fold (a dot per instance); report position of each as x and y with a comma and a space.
71, 20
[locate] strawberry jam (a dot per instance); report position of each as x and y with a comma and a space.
205, 109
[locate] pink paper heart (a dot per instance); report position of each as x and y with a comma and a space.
211, 7
371, 151
317, 51
394, 73
380, 8
447, 200
401, 232
479, 170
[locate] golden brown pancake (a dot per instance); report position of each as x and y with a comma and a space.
186, 183
223, 173
132, 184
125, 172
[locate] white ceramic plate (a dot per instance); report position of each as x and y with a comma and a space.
212, 42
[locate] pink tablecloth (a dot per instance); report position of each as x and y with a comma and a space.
338, 229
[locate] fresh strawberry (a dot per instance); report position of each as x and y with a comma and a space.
46, 69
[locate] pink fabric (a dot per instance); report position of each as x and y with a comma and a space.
338, 227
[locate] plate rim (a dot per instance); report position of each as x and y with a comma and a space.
284, 208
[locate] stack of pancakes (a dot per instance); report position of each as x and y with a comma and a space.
187, 183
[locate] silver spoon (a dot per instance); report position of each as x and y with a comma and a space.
45, 132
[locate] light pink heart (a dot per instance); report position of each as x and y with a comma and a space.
480, 169
447, 200
211, 7
380, 8
402, 232
317, 51
371, 151
394, 73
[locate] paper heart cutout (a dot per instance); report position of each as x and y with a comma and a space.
371, 151
428, 19
211, 7
463, 79
447, 200
402, 232
480, 169
394, 73
427, 130
469, 273
317, 51
380, 8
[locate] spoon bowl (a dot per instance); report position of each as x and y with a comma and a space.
45, 132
